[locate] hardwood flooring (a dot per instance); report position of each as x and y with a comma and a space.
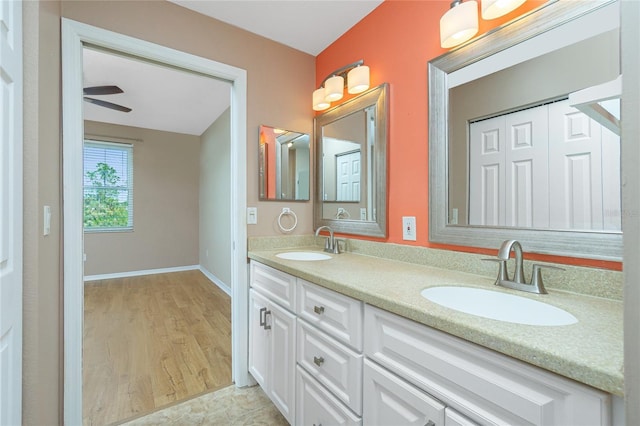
152, 341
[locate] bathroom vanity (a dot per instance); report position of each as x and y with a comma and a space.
367, 348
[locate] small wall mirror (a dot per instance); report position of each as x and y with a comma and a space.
283, 164
517, 146
351, 153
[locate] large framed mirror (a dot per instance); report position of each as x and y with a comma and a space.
283, 165
524, 135
351, 165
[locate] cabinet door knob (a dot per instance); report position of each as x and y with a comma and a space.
318, 360
430, 423
318, 310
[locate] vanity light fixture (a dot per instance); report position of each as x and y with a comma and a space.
492, 9
332, 87
459, 24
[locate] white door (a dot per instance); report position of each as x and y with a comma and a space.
575, 155
348, 170
487, 172
11, 213
389, 400
282, 365
526, 168
258, 339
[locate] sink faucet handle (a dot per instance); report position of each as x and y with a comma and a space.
536, 276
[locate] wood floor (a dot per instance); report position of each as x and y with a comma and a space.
152, 341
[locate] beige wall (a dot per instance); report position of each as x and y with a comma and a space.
280, 79
215, 199
280, 83
165, 204
42, 342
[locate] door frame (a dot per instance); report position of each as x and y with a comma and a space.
74, 35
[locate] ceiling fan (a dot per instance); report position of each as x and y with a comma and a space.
104, 90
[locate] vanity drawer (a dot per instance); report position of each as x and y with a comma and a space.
333, 364
276, 285
487, 387
335, 313
316, 405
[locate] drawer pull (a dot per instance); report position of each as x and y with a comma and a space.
318, 360
430, 423
265, 326
318, 310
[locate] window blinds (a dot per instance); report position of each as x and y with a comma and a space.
108, 186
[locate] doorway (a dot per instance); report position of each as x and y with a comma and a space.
74, 36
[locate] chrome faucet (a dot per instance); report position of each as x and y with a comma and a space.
330, 245
504, 253
518, 282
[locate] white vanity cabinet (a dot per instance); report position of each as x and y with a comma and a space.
479, 384
329, 354
272, 336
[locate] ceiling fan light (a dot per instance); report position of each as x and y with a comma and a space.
459, 24
334, 88
319, 104
358, 79
492, 9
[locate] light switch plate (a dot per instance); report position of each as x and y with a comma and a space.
252, 215
409, 228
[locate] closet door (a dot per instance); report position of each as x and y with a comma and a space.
526, 168
487, 172
575, 156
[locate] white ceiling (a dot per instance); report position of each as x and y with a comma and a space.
306, 25
171, 100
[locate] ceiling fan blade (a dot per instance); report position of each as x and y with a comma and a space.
102, 90
107, 104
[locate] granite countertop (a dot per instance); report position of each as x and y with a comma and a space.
590, 351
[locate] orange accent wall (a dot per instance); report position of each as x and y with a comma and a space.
396, 41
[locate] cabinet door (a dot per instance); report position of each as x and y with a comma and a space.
453, 418
389, 400
317, 406
258, 339
282, 360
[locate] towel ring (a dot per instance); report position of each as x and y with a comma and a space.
287, 212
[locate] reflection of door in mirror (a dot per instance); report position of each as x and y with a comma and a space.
556, 167
523, 157
284, 164
347, 152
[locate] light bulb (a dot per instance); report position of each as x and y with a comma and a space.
492, 9
459, 24
358, 79
319, 104
334, 88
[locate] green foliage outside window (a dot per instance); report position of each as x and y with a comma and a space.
103, 207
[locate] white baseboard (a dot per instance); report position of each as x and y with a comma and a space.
142, 272
217, 281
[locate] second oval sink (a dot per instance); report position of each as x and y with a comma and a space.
303, 255
498, 306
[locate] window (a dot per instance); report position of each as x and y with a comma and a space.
108, 186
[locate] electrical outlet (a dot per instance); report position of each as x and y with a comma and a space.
409, 228
454, 217
363, 213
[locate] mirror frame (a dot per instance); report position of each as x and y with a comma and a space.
262, 168
591, 245
379, 97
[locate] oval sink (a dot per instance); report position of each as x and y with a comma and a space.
498, 306
303, 255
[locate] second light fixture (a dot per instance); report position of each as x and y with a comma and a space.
332, 87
